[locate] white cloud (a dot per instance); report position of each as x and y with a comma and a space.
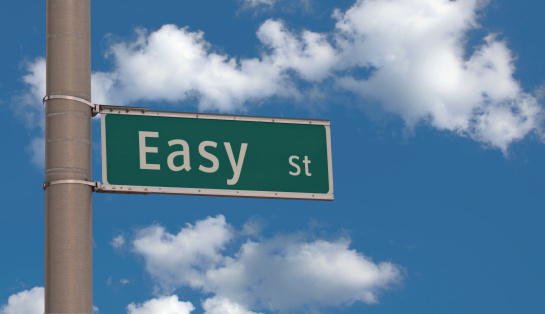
539, 92
29, 104
283, 273
25, 302
415, 51
118, 241
174, 64
253, 227
28, 107
287, 273
29, 302
162, 305
284, 6
182, 259
36, 149
310, 54
224, 306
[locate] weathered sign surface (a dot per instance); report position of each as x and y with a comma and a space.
223, 155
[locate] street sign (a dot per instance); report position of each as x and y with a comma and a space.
221, 155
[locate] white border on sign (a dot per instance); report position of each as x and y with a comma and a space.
144, 112
131, 189
108, 188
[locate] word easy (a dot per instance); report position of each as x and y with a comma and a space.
236, 164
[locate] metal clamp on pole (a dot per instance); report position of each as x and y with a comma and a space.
94, 107
95, 185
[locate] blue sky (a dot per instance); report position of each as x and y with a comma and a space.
436, 112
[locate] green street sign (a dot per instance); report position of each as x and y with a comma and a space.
221, 155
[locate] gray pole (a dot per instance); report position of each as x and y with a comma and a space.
68, 208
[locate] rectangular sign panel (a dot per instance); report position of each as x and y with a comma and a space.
222, 155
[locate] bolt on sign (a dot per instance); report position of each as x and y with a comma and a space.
220, 155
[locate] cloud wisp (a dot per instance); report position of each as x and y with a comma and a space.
118, 241
28, 107
255, 3
283, 273
414, 52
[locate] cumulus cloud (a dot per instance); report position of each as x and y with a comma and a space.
181, 259
162, 305
174, 64
414, 51
25, 302
283, 273
286, 273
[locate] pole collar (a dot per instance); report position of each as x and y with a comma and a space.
94, 107
95, 185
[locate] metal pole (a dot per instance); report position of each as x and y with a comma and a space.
68, 208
